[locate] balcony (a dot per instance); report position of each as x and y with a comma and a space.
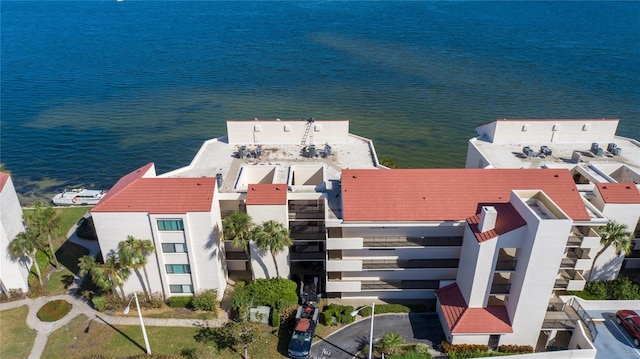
344, 265
576, 258
583, 237
344, 243
409, 264
400, 284
392, 241
306, 211
506, 265
337, 286
570, 279
500, 288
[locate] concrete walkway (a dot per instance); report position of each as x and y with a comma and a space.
80, 306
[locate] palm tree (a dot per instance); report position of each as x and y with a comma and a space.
134, 252
390, 342
25, 245
237, 228
615, 234
86, 263
113, 273
45, 221
272, 236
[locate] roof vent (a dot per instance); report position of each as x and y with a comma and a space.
488, 218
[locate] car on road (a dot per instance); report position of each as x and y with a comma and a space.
630, 320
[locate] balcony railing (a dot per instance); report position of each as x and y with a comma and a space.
306, 256
400, 284
409, 264
391, 241
500, 288
506, 265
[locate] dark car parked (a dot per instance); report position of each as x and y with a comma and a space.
630, 320
304, 332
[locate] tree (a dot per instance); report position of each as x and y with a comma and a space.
25, 244
45, 221
237, 229
134, 252
113, 273
616, 235
390, 342
272, 236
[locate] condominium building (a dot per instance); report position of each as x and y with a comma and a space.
602, 164
492, 247
14, 272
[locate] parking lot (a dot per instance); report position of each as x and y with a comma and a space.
613, 341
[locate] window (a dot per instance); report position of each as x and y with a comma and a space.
170, 225
174, 248
177, 268
181, 288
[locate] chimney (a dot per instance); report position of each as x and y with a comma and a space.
488, 218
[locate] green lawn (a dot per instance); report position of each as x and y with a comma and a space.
82, 338
66, 252
16, 338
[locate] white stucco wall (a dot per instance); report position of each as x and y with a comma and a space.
545, 131
608, 264
205, 254
533, 281
285, 132
13, 272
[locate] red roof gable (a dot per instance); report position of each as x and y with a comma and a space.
447, 194
508, 219
134, 193
4, 177
619, 192
461, 319
267, 194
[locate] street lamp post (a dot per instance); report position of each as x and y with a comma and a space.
373, 312
144, 331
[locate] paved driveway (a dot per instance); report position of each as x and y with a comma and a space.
613, 341
345, 343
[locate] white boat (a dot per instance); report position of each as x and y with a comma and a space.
78, 196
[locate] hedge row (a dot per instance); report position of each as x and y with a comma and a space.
342, 313
394, 308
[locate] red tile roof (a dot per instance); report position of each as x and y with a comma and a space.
508, 219
619, 192
135, 193
4, 177
461, 319
447, 194
267, 194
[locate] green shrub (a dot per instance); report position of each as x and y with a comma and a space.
393, 308
410, 356
154, 302
461, 351
621, 288
100, 303
54, 310
180, 302
275, 318
207, 300
421, 348
342, 313
517, 349
277, 293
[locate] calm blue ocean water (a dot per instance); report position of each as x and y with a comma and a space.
91, 90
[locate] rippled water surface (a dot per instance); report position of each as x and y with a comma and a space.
93, 90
